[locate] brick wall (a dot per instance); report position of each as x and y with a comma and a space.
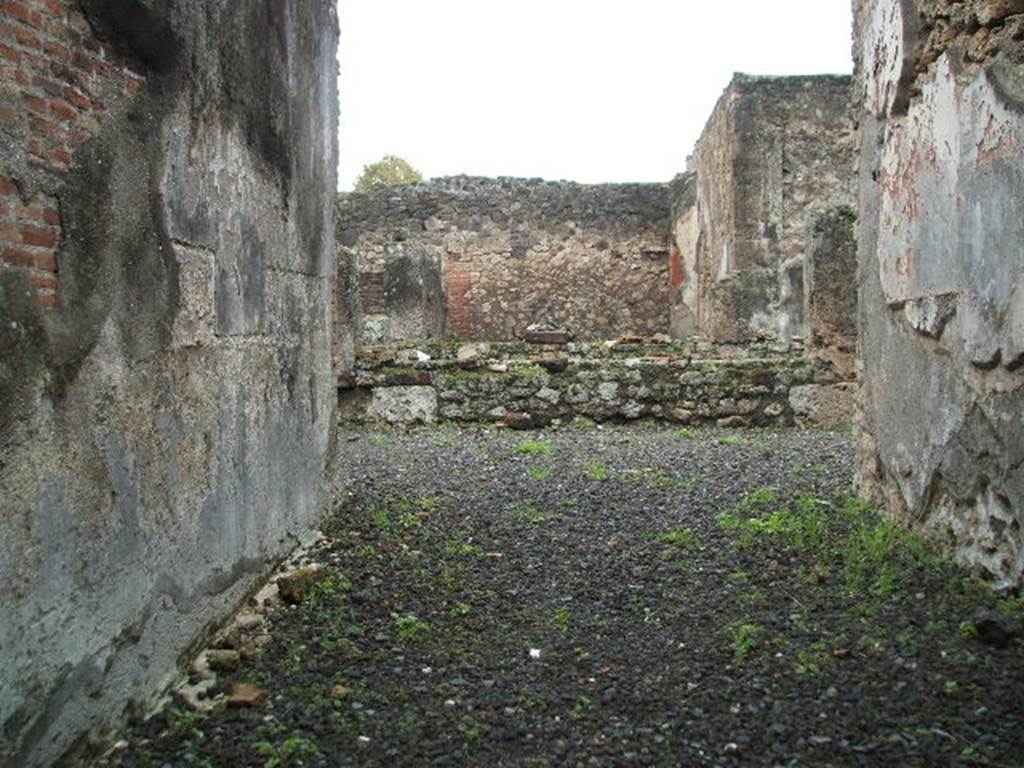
56, 81
458, 305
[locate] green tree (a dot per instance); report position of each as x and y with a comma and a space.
389, 171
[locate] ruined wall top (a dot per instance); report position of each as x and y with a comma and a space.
505, 199
777, 155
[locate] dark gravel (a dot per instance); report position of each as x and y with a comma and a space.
578, 598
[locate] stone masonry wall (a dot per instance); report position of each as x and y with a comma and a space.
776, 156
592, 259
166, 395
524, 385
940, 88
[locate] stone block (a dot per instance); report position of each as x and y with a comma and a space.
403, 405
547, 337
990, 12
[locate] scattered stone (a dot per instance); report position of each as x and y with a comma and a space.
222, 660
519, 421
248, 622
340, 692
201, 667
471, 355
731, 422
296, 585
411, 356
244, 695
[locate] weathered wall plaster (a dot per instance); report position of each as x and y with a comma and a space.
776, 156
166, 396
592, 259
941, 272
685, 237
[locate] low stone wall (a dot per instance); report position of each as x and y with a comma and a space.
524, 385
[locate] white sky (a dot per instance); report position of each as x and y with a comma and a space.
586, 90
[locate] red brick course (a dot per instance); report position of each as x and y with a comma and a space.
458, 282
57, 81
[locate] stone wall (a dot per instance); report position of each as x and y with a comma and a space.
777, 155
525, 385
166, 396
941, 252
591, 259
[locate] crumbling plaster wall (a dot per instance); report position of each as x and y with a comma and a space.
941, 92
592, 259
166, 394
685, 237
777, 154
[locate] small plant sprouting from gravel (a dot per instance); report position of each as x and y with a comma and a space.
530, 514
662, 481
539, 473
813, 661
563, 617
535, 448
799, 521
408, 626
290, 752
595, 470
400, 517
462, 549
732, 440
688, 483
329, 590
745, 637
687, 433
681, 538
632, 475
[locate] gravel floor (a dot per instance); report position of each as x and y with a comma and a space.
616, 596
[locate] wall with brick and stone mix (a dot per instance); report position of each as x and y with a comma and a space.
166, 394
941, 104
56, 82
776, 156
510, 253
